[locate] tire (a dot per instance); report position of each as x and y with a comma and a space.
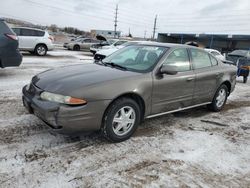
41, 50
110, 127
220, 99
245, 79
76, 48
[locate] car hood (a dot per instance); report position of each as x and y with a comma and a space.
107, 52
65, 80
100, 37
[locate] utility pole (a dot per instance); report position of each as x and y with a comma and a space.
145, 34
116, 16
154, 30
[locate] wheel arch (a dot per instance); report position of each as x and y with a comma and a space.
228, 84
134, 96
41, 44
77, 46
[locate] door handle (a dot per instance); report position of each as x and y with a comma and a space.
190, 79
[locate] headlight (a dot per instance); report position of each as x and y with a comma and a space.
61, 99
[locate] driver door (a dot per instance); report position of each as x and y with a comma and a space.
172, 92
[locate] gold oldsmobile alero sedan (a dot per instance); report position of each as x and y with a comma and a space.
137, 82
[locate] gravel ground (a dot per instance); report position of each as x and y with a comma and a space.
193, 148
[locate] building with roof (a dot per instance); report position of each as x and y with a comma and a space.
222, 42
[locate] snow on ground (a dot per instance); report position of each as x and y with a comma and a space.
194, 148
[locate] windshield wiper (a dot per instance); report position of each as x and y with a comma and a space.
100, 62
115, 65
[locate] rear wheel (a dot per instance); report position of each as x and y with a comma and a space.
41, 50
245, 79
220, 99
121, 120
76, 48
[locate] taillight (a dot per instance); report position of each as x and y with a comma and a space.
11, 36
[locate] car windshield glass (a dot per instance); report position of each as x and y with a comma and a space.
128, 44
137, 58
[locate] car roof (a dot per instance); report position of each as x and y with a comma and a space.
210, 50
160, 44
28, 28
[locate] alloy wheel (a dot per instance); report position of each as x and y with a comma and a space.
221, 97
124, 120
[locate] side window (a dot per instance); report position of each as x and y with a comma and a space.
213, 61
87, 40
180, 59
200, 59
39, 33
26, 32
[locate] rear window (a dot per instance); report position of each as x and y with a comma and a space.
17, 31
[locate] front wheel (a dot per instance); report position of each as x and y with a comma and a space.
76, 48
121, 120
220, 99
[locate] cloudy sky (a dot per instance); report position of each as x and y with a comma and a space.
182, 16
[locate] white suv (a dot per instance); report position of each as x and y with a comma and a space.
35, 41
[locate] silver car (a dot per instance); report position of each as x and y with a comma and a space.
81, 44
135, 83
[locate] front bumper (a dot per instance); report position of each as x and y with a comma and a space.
65, 119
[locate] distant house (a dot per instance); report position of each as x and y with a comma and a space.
106, 33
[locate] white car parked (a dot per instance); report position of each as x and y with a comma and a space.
35, 41
216, 53
100, 55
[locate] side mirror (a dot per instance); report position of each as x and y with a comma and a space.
168, 69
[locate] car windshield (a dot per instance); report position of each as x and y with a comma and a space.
136, 58
128, 44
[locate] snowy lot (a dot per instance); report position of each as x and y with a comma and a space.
194, 148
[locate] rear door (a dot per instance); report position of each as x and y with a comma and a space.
171, 92
207, 74
27, 39
86, 43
